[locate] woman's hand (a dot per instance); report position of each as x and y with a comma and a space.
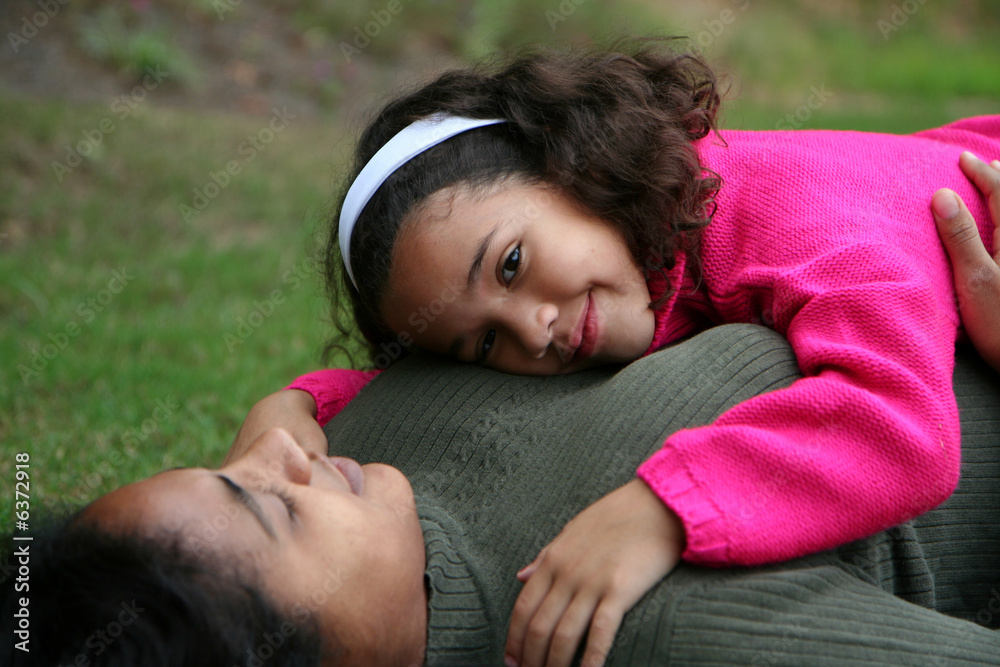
977, 275
590, 575
290, 409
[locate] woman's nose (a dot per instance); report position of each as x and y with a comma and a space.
275, 454
533, 324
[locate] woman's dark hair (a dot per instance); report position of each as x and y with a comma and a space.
612, 130
96, 598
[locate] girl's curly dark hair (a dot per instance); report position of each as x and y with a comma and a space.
613, 130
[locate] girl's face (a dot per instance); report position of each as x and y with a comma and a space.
520, 280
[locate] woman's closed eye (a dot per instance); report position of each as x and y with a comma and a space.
285, 499
510, 265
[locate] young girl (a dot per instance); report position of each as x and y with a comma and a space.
564, 211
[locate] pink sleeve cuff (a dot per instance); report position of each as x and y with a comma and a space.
332, 389
704, 523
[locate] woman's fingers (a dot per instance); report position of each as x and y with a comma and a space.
987, 179
985, 176
959, 234
977, 275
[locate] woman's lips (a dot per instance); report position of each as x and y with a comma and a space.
351, 471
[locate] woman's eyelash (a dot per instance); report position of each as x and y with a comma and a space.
284, 497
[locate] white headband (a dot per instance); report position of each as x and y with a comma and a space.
410, 142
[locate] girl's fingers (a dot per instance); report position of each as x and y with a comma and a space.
539, 630
525, 608
603, 628
571, 629
525, 572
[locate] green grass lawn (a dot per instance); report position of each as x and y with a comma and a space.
134, 339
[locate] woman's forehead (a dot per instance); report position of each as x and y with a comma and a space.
169, 500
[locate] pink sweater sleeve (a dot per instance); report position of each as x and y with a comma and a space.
332, 389
867, 439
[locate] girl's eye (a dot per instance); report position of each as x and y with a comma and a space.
491, 336
509, 268
285, 498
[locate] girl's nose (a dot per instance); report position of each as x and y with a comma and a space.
533, 325
275, 454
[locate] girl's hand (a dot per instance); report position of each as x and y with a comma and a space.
590, 575
290, 409
977, 275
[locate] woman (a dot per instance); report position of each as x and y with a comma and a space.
486, 481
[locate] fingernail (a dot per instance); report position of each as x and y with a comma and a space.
972, 155
945, 204
509, 661
995, 164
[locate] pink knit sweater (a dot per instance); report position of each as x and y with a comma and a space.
828, 238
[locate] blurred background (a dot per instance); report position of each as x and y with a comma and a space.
167, 170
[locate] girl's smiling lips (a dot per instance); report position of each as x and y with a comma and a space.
585, 334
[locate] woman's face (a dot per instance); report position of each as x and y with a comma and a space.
520, 280
333, 542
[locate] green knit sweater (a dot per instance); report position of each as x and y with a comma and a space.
500, 463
